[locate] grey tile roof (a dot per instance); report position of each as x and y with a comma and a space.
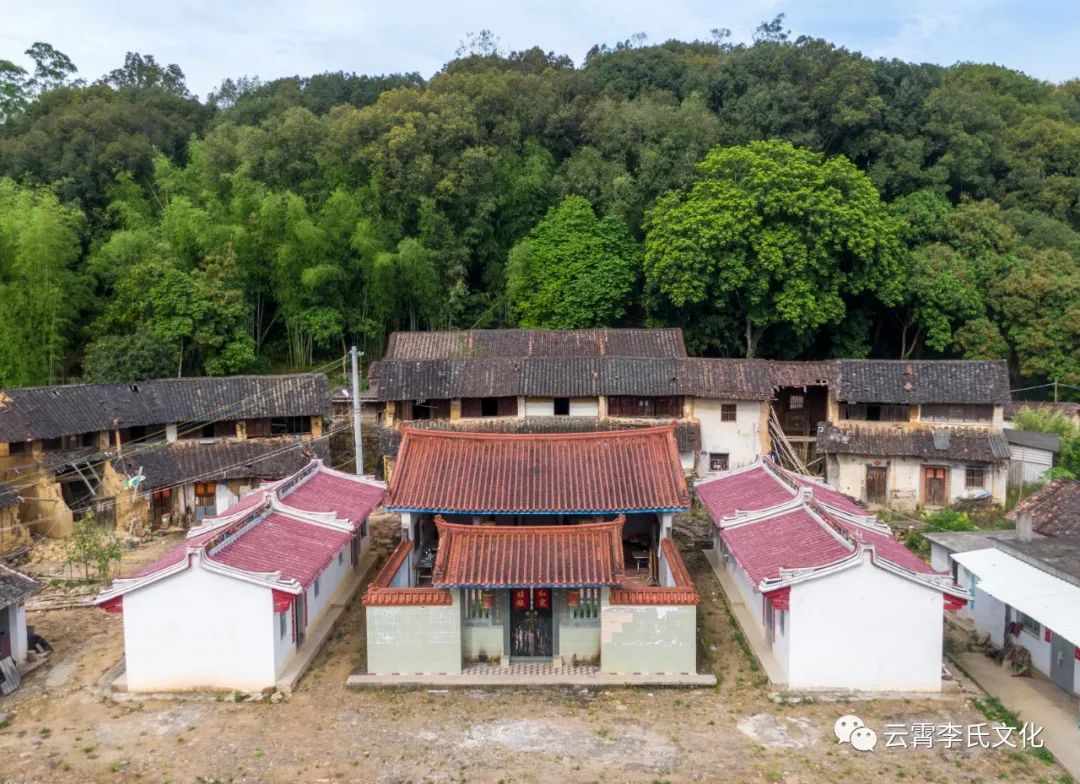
442, 365
8, 496
518, 343
972, 444
965, 541
182, 462
1059, 555
1055, 509
51, 412
1051, 442
923, 381
687, 433
15, 586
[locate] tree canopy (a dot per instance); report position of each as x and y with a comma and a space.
787, 198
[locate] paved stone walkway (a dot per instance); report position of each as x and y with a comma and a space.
1032, 699
545, 669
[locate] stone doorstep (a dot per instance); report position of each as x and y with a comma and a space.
365, 680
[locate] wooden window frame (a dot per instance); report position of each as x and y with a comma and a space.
729, 412
973, 469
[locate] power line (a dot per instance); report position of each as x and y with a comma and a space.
206, 475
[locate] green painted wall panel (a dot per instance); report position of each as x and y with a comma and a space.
648, 639
414, 639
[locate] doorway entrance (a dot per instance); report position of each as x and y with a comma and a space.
935, 485
530, 623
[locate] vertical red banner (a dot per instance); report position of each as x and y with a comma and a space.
542, 598
521, 599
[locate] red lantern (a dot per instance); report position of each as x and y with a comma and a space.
521, 599
488, 599
1048, 635
573, 598
542, 597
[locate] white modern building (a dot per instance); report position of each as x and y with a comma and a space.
835, 597
230, 607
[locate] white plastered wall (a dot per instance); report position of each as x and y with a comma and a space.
739, 439
867, 629
197, 629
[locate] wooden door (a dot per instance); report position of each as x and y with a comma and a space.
935, 485
530, 623
876, 480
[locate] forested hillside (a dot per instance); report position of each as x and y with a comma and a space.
785, 199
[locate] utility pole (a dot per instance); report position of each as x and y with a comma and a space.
358, 445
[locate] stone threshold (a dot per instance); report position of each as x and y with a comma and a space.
449, 680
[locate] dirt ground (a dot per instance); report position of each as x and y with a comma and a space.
62, 728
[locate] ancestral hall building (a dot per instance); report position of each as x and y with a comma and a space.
534, 548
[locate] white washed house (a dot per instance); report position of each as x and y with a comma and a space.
229, 607
835, 597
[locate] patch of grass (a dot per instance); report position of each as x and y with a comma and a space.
997, 713
44, 732
89, 749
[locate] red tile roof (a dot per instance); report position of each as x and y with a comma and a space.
348, 497
269, 530
796, 539
745, 490
888, 548
683, 592
605, 472
380, 594
512, 556
280, 543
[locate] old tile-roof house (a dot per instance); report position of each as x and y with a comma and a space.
549, 548
918, 433
158, 452
230, 607
1054, 509
887, 421
15, 589
13, 534
831, 595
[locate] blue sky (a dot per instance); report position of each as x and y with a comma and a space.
271, 38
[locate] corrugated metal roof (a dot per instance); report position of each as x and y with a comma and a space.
30, 413
1050, 600
974, 444
623, 471
516, 343
923, 381
512, 556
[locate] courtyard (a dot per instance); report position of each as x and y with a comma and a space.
62, 727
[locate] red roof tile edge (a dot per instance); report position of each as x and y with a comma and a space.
380, 594
448, 572
683, 592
